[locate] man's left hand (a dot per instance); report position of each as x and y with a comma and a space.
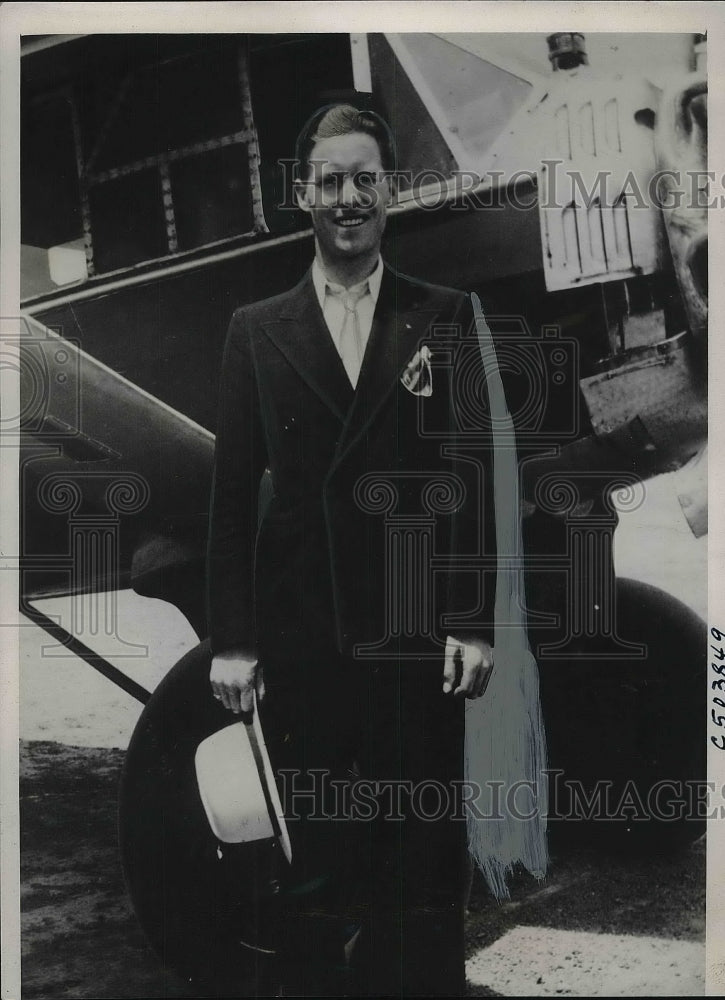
476, 658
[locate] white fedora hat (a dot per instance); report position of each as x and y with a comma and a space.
237, 786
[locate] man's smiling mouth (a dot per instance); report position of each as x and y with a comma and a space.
350, 221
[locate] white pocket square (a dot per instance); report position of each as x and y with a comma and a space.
418, 377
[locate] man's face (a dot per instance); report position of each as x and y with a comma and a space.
346, 195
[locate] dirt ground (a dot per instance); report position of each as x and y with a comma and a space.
81, 939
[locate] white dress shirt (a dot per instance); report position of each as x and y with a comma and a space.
333, 309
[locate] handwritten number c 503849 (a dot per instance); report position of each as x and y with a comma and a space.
718, 665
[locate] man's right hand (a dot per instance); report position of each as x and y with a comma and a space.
233, 676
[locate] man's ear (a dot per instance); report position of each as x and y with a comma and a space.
301, 190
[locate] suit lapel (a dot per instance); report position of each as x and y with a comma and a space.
301, 334
398, 326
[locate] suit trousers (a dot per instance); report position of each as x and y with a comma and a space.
369, 759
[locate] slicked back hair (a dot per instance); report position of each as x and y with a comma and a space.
342, 119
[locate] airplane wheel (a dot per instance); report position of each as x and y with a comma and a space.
206, 908
621, 730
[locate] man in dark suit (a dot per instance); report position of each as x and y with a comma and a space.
332, 388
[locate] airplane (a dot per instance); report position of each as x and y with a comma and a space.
156, 197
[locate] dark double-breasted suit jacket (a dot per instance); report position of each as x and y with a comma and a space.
375, 495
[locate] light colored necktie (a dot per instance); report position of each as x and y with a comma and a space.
350, 343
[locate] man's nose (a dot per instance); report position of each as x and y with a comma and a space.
350, 192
